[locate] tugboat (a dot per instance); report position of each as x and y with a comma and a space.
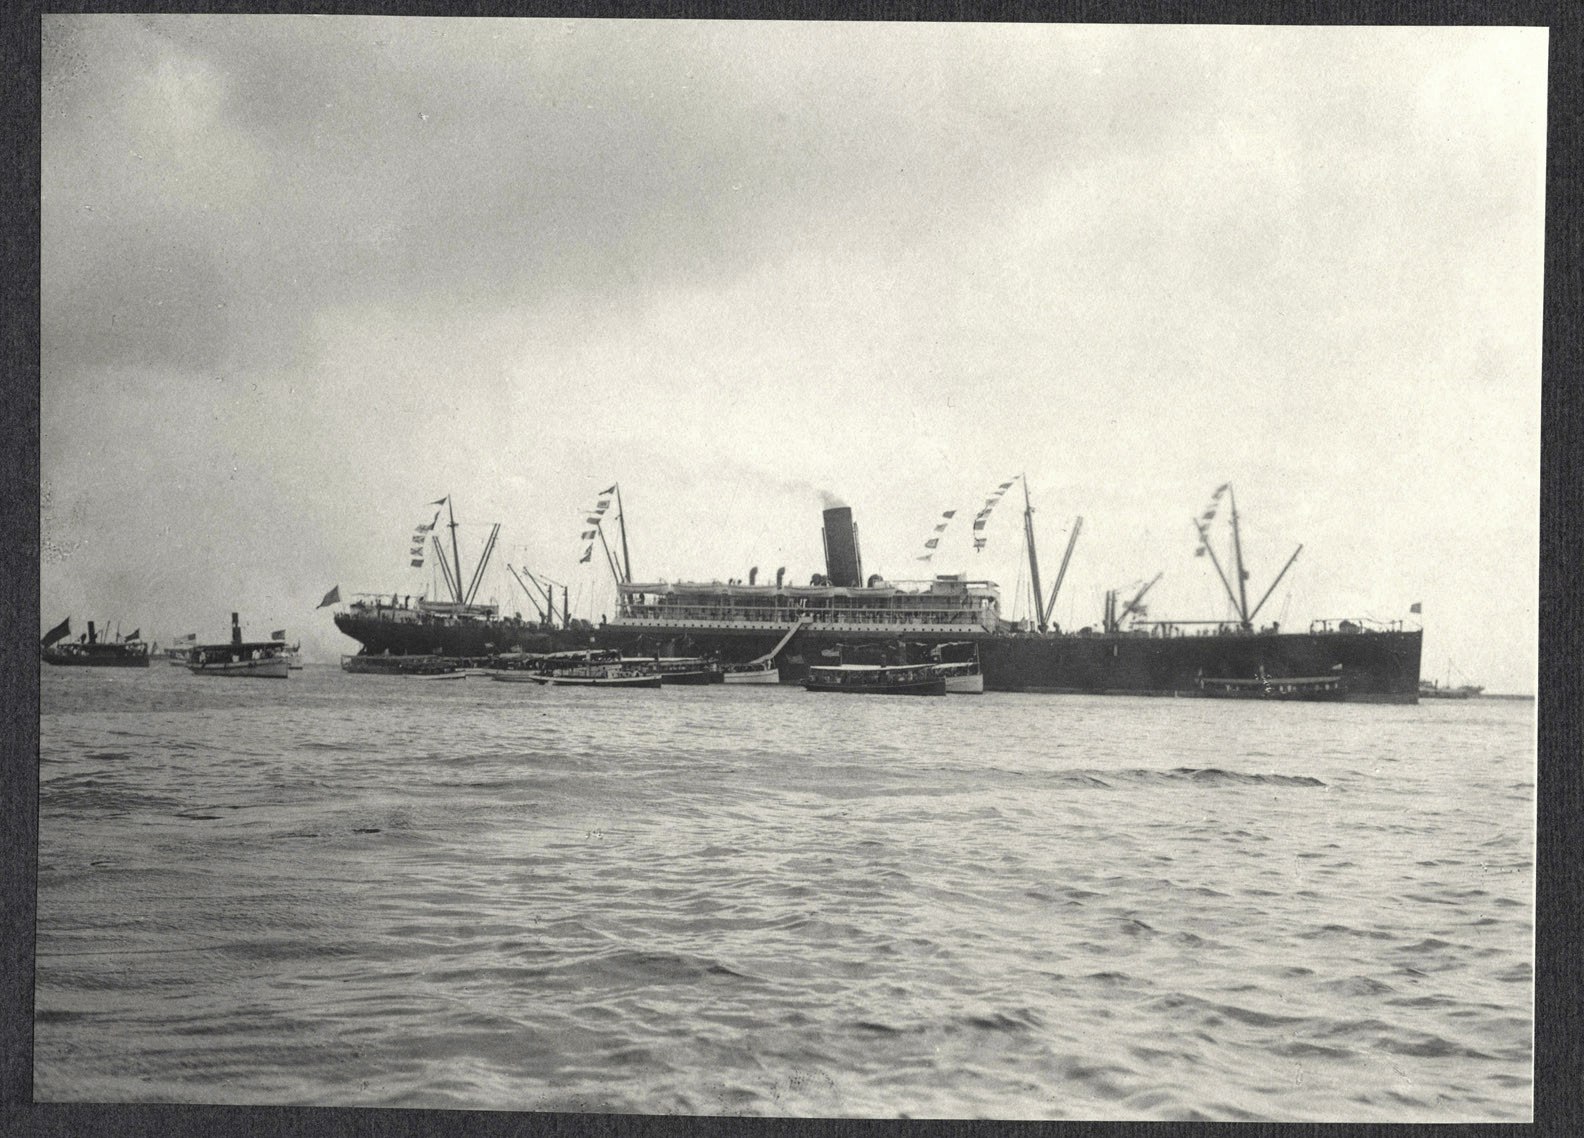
1429, 689
255, 659
89, 651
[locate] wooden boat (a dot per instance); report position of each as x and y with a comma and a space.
598, 678
678, 669
877, 679
584, 668
420, 667
757, 672
1264, 686
962, 676
246, 659
91, 652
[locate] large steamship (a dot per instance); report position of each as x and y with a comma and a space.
842, 614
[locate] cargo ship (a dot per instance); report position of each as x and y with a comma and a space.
459, 626
840, 612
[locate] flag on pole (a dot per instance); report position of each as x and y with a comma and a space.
612, 490
1415, 607
136, 632
190, 638
59, 632
440, 501
333, 597
587, 555
278, 634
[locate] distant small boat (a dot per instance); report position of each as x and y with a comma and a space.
756, 672
592, 678
420, 667
1429, 689
90, 651
691, 670
963, 677
877, 679
585, 668
245, 659
1264, 686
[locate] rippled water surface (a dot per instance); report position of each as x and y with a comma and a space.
380, 891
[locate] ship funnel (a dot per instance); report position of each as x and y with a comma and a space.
236, 629
752, 573
781, 572
92, 638
843, 564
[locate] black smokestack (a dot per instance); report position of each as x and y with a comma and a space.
92, 639
752, 573
236, 629
843, 565
781, 572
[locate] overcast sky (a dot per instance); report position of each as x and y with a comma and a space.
302, 275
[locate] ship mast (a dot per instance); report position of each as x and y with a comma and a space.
621, 524
1028, 536
1237, 549
1061, 573
456, 558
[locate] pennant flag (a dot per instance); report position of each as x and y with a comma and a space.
587, 554
135, 633
440, 501
983, 515
278, 634
940, 528
1415, 607
59, 632
612, 490
333, 597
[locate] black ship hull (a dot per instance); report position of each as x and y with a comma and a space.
1375, 666
473, 638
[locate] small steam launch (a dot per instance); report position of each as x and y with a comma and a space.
89, 651
248, 659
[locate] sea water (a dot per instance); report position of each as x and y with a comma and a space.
374, 890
